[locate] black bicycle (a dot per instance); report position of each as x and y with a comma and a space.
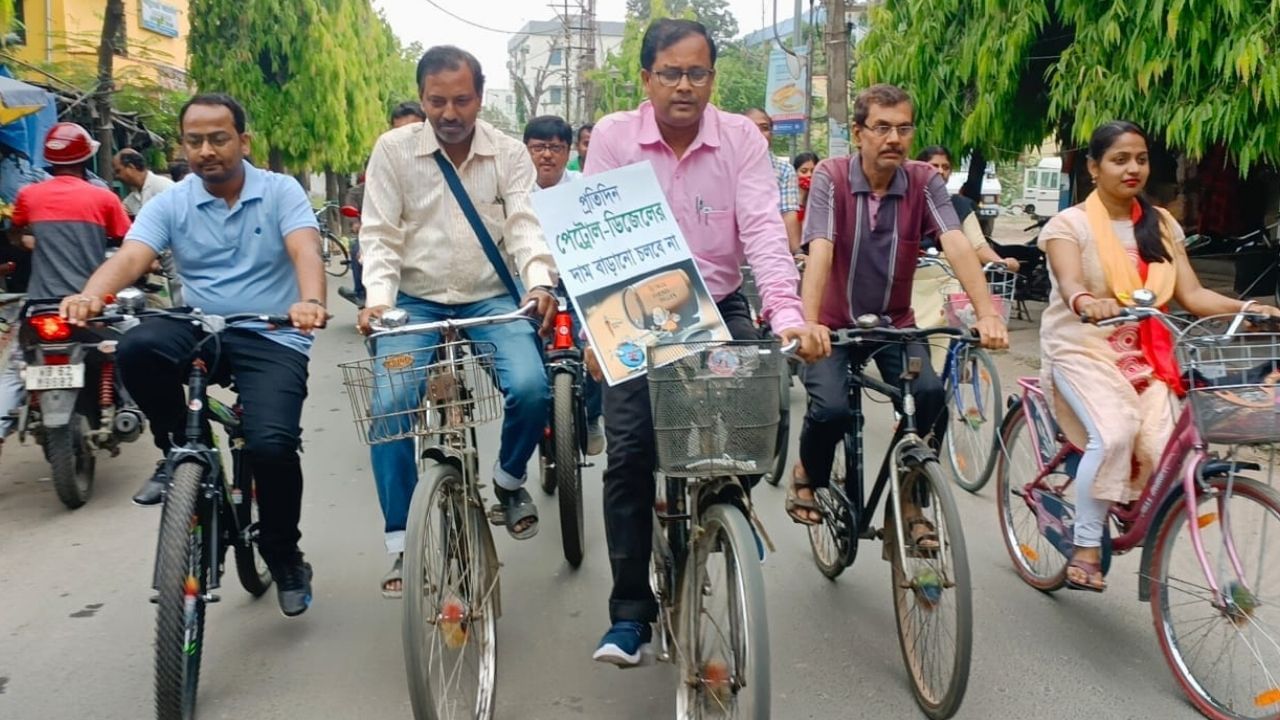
564, 444
333, 249
778, 468
930, 569
206, 511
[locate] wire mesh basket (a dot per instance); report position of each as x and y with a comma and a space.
716, 407
443, 388
1232, 380
959, 310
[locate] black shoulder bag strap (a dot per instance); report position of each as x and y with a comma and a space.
473, 217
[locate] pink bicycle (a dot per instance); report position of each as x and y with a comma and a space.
1203, 525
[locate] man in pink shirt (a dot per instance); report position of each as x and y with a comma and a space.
715, 171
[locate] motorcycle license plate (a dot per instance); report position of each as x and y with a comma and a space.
54, 377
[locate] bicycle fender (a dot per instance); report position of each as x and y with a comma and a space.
915, 454
443, 456
1211, 468
56, 407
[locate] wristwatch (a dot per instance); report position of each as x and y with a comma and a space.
315, 301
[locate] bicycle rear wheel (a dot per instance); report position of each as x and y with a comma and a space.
180, 577
336, 260
973, 398
250, 567
450, 600
723, 643
932, 596
568, 470
1222, 647
1036, 560
834, 542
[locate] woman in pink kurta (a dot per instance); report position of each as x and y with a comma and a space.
1115, 388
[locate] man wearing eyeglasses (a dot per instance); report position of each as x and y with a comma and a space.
715, 171
866, 217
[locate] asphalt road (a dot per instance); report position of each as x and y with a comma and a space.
76, 628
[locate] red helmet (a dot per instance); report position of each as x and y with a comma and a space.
68, 144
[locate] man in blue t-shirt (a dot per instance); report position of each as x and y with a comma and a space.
244, 241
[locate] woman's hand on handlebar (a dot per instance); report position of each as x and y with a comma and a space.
308, 316
78, 309
368, 315
814, 339
1098, 309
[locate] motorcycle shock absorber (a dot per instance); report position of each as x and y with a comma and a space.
107, 386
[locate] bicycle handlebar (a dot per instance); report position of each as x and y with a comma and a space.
859, 336
112, 314
380, 330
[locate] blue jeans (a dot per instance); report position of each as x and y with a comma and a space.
357, 268
521, 377
591, 393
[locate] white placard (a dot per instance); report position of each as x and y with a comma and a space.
627, 267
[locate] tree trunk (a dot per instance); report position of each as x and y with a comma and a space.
112, 21
275, 161
331, 189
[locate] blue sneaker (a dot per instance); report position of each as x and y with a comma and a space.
625, 645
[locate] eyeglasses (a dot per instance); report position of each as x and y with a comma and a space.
698, 76
195, 142
904, 131
553, 148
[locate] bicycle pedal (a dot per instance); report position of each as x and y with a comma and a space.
154, 599
496, 516
211, 598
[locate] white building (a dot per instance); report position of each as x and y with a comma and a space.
544, 62
500, 108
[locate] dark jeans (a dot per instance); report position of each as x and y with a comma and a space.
629, 487
357, 268
829, 416
154, 361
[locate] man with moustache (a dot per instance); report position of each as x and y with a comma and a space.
423, 255
866, 218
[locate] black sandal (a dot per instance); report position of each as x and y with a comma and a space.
797, 507
517, 507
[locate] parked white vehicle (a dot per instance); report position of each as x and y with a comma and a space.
989, 204
1043, 186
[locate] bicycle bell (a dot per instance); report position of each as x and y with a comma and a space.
1142, 297
131, 300
868, 321
394, 318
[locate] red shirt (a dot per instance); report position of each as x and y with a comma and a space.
71, 221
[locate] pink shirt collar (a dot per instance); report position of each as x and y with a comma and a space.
708, 130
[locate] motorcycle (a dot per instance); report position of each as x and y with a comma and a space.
76, 406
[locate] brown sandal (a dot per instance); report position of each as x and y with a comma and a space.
923, 535
800, 508
1090, 570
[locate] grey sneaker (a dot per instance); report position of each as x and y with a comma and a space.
595, 438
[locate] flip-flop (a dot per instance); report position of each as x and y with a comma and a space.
795, 504
395, 573
1090, 570
926, 539
517, 506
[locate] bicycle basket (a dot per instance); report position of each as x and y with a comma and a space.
959, 312
1231, 383
445, 388
715, 407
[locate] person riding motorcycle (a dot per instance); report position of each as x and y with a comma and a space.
66, 223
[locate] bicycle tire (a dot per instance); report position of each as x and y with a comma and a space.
337, 261
568, 469
973, 412
252, 570
709, 683
450, 597
931, 582
1035, 559
1249, 625
834, 542
72, 463
180, 605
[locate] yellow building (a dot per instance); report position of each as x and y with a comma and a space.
67, 32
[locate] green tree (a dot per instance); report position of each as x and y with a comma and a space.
1000, 75
316, 84
715, 14
740, 77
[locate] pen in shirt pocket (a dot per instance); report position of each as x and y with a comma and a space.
704, 210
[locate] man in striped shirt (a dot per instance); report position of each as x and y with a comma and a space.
788, 188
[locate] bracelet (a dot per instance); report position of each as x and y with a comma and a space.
1071, 302
314, 301
1246, 305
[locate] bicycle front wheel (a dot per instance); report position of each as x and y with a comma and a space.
568, 470
180, 577
450, 600
1222, 646
973, 399
932, 596
336, 260
723, 643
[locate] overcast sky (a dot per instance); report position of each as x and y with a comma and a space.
418, 20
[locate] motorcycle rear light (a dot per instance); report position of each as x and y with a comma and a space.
51, 328
563, 339
57, 359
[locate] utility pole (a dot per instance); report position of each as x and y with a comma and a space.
837, 67
568, 45
587, 86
